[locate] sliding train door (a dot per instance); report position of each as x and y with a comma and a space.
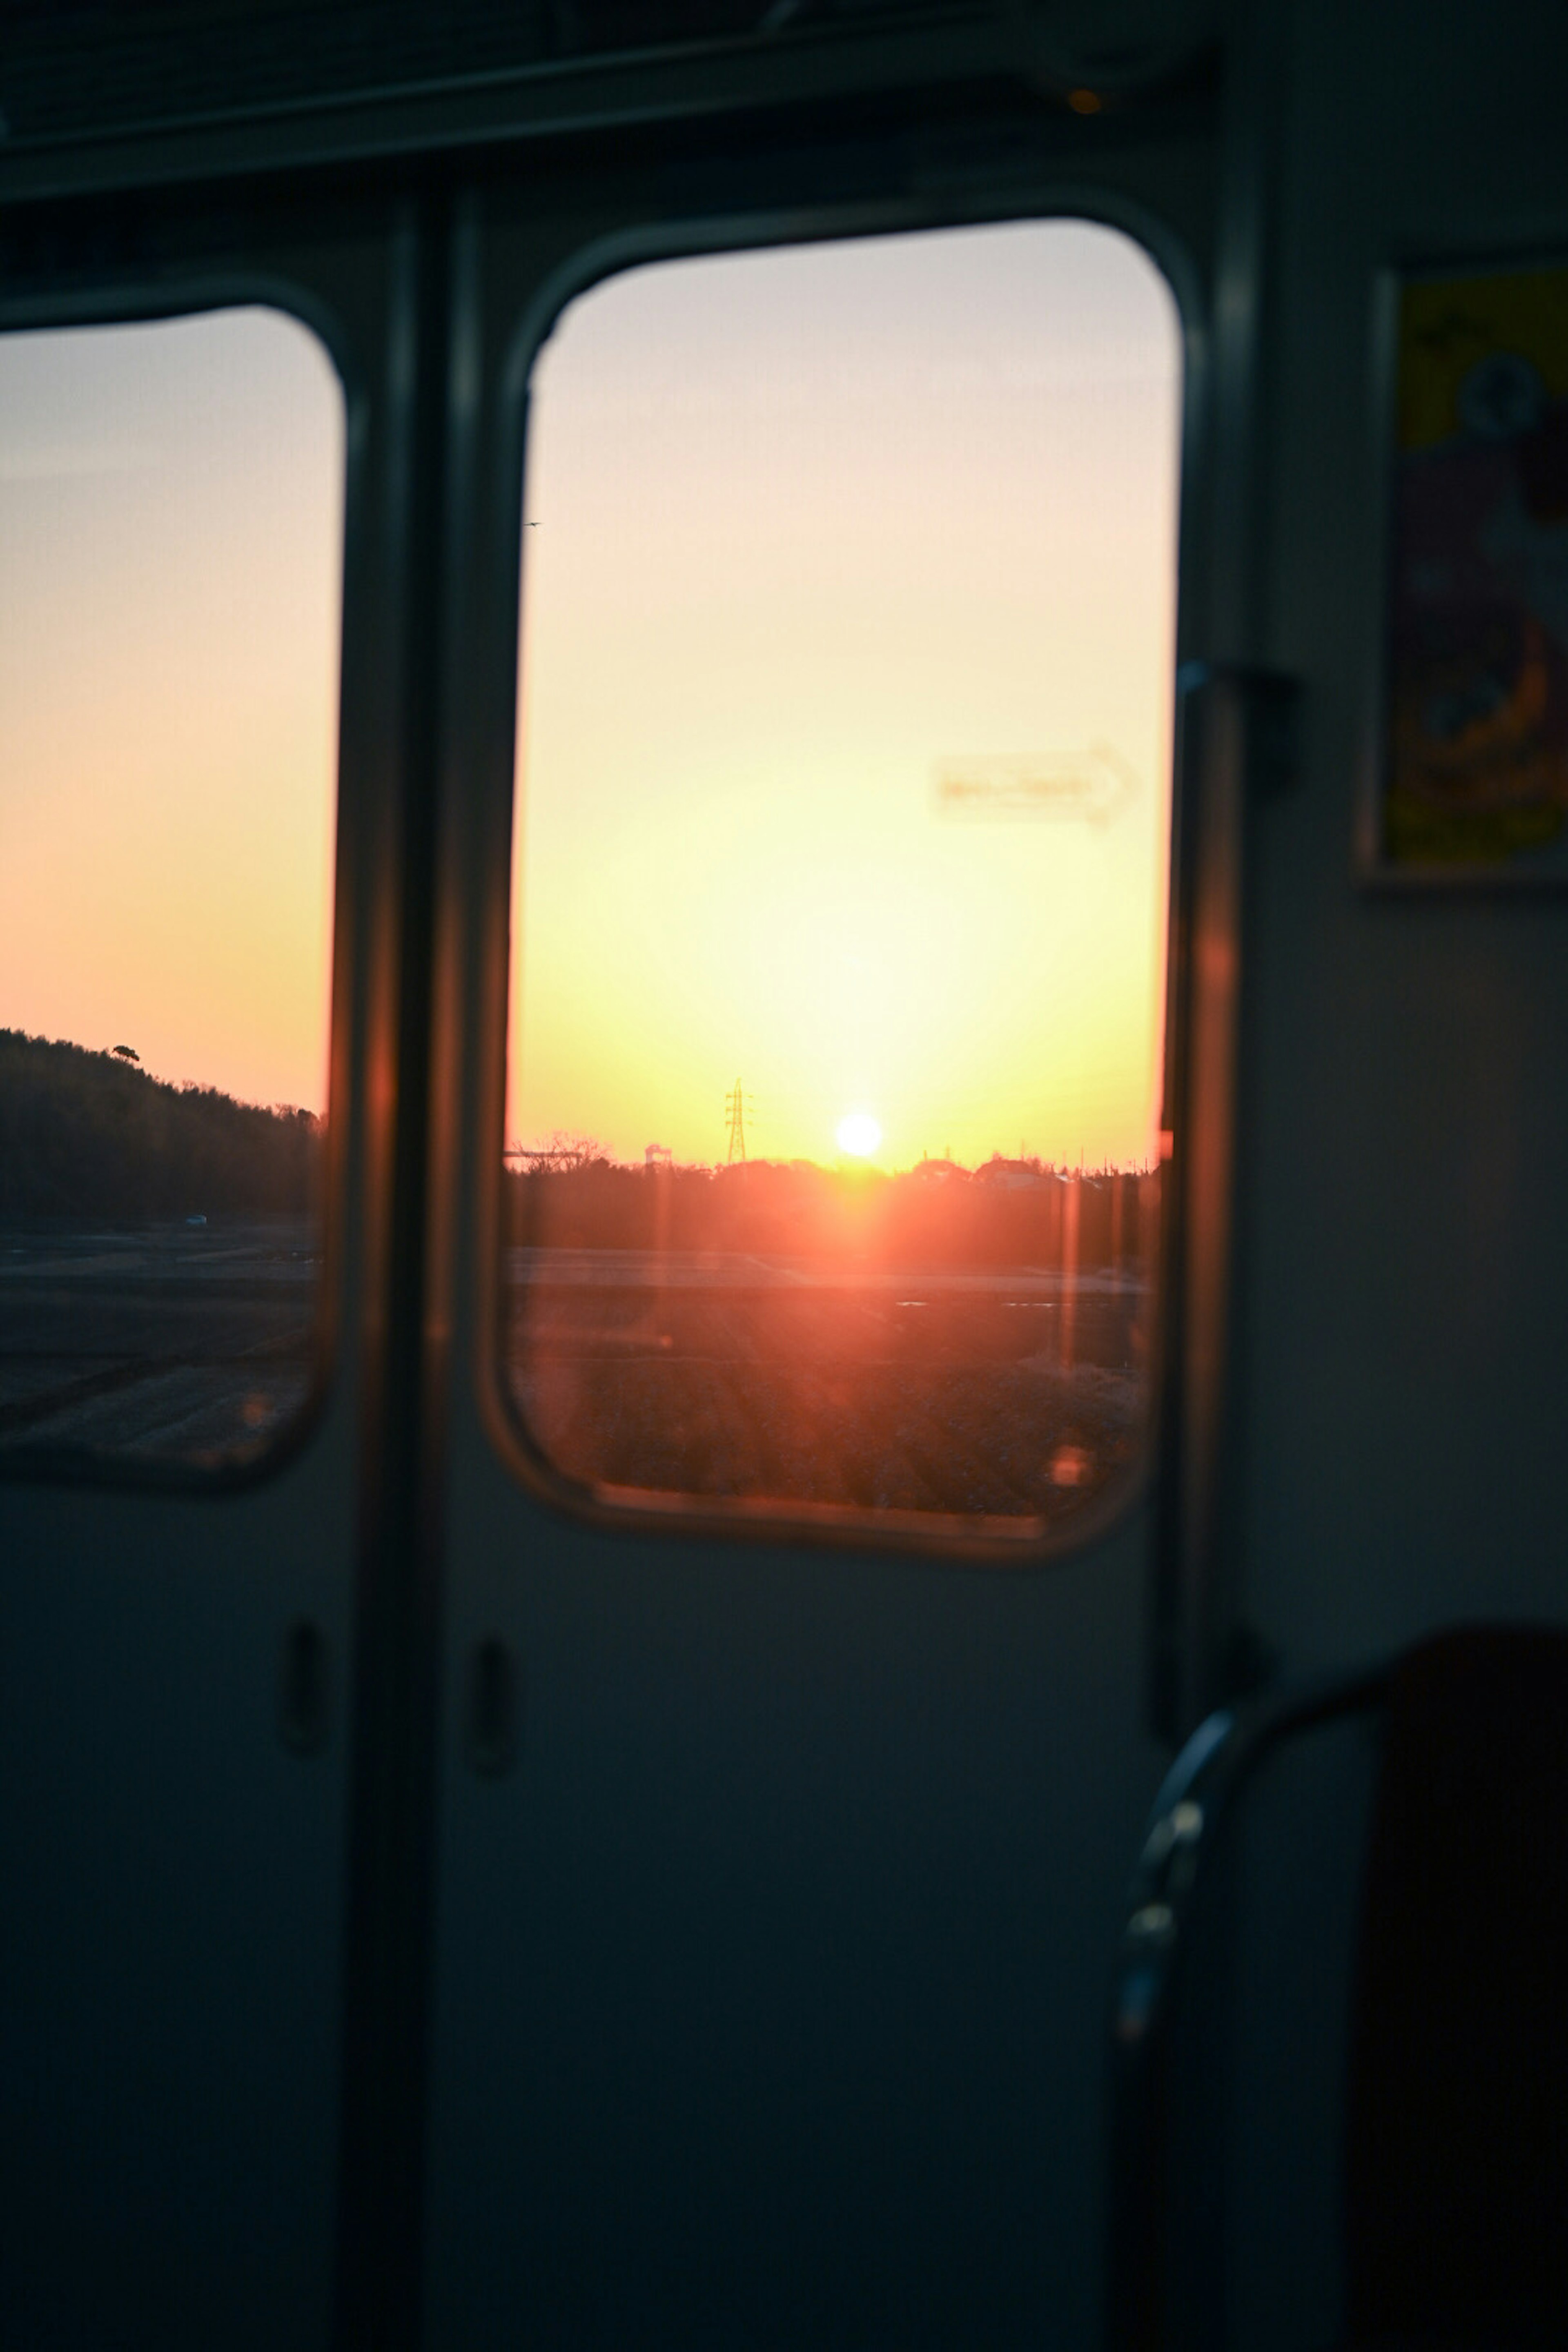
204, 436
809, 692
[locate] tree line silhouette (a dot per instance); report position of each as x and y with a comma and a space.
1004, 1212
91, 1134
86, 1133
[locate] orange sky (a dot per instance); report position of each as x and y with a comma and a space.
171, 529
809, 525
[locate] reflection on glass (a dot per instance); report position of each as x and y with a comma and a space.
171, 521
848, 588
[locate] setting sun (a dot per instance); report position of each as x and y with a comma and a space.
859, 1134
844, 741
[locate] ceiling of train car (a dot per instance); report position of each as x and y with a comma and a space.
81, 68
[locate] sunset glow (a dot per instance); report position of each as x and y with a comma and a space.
846, 663
171, 533
844, 737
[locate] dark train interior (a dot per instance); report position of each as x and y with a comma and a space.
784, 1100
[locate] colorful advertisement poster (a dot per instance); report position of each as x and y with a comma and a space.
1475, 779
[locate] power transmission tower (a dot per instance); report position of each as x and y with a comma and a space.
737, 1102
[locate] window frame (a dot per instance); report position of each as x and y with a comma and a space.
148, 296
588, 263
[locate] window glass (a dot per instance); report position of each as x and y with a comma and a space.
832, 1169
171, 525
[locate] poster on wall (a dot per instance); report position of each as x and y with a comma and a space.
1473, 781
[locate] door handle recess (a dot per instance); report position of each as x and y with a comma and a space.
491, 1707
304, 1688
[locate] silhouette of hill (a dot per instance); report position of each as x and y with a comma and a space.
89, 1134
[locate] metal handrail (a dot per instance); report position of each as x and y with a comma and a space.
1196, 1800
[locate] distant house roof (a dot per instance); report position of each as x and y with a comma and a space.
1014, 1174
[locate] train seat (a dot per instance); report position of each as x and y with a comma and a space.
1449, 2085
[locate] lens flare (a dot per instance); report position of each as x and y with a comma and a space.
859, 1134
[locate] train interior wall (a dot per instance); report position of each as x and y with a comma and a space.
1398, 1369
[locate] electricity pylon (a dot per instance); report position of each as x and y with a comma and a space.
737, 1102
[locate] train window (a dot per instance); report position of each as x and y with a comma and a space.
843, 805
171, 524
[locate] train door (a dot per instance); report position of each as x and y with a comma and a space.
773, 1874
206, 430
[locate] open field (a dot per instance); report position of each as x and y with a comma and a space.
944, 1340
1018, 1393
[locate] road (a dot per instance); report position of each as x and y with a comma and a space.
157, 1341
